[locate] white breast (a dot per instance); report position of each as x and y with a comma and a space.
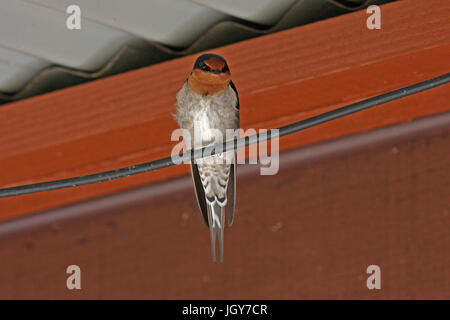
202, 124
206, 117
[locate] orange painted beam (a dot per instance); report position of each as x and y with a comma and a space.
282, 78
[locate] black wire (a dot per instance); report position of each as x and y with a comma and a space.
218, 148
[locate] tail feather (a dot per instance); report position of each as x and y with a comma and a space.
221, 231
216, 219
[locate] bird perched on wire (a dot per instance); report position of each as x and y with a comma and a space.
207, 105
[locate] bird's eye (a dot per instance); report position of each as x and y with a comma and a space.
225, 69
204, 67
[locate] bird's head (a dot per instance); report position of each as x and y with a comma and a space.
210, 75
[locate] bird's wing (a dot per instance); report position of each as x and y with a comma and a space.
199, 192
233, 170
232, 191
237, 94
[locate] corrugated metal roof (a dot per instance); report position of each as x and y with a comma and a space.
39, 54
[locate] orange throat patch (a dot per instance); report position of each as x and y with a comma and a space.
206, 83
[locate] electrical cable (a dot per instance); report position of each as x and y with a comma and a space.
191, 155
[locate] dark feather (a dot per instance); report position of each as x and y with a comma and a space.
232, 191
199, 192
237, 95
233, 170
